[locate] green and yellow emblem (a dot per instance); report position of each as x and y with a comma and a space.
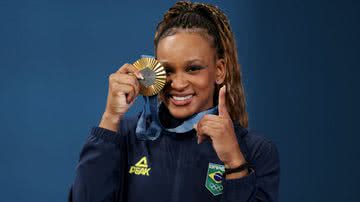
214, 178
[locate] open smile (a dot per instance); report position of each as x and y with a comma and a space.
181, 100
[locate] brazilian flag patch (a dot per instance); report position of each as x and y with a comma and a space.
214, 178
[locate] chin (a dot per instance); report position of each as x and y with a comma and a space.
180, 113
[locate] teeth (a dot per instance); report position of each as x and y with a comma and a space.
182, 98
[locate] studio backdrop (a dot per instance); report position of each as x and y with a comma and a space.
299, 59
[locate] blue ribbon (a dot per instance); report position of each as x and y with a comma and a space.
151, 129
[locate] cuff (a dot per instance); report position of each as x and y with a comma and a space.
240, 188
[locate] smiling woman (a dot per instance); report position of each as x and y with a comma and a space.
191, 73
215, 159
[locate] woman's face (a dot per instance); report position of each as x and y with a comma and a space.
192, 72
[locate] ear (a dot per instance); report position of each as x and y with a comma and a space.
220, 71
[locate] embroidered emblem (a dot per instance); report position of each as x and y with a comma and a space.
214, 178
140, 168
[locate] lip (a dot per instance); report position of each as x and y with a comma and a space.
181, 102
180, 94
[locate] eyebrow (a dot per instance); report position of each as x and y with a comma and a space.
166, 63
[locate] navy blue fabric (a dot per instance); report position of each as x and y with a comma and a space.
178, 168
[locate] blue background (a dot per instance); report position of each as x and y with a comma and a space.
300, 63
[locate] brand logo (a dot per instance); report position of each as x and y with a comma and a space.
214, 178
140, 168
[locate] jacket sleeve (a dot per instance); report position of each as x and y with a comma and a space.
101, 168
262, 183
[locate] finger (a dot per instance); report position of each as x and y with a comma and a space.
120, 89
205, 132
195, 126
130, 69
199, 127
212, 125
125, 79
215, 120
212, 120
209, 129
200, 137
210, 117
222, 102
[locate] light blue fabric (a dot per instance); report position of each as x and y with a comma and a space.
153, 131
189, 123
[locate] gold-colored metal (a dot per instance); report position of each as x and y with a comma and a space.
154, 76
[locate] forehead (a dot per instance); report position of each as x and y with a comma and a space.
184, 46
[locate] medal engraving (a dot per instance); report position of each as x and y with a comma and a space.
154, 76
149, 77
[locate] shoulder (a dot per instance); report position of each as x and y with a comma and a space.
258, 150
258, 144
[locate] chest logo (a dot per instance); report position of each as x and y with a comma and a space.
214, 178
140, 168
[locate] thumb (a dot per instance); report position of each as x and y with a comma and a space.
222, 102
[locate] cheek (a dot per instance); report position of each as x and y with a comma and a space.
205, 83
166, 88
164, 91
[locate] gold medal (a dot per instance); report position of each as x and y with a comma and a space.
154, 76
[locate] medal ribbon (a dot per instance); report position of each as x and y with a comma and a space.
151, 129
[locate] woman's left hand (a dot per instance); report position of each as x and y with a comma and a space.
221, 132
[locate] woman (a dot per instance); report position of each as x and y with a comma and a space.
217, 160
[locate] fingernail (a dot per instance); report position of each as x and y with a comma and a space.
140, 76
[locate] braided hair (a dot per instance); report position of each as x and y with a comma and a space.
200, 17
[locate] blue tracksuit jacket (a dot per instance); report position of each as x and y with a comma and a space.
118, 167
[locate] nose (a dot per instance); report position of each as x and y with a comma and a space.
178, 82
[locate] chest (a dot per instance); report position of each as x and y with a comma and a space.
169, 169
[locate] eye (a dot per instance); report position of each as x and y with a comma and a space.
168, 70
194, 68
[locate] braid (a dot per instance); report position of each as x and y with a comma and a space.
233, 80
187, 15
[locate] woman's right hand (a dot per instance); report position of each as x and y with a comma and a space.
123, 89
